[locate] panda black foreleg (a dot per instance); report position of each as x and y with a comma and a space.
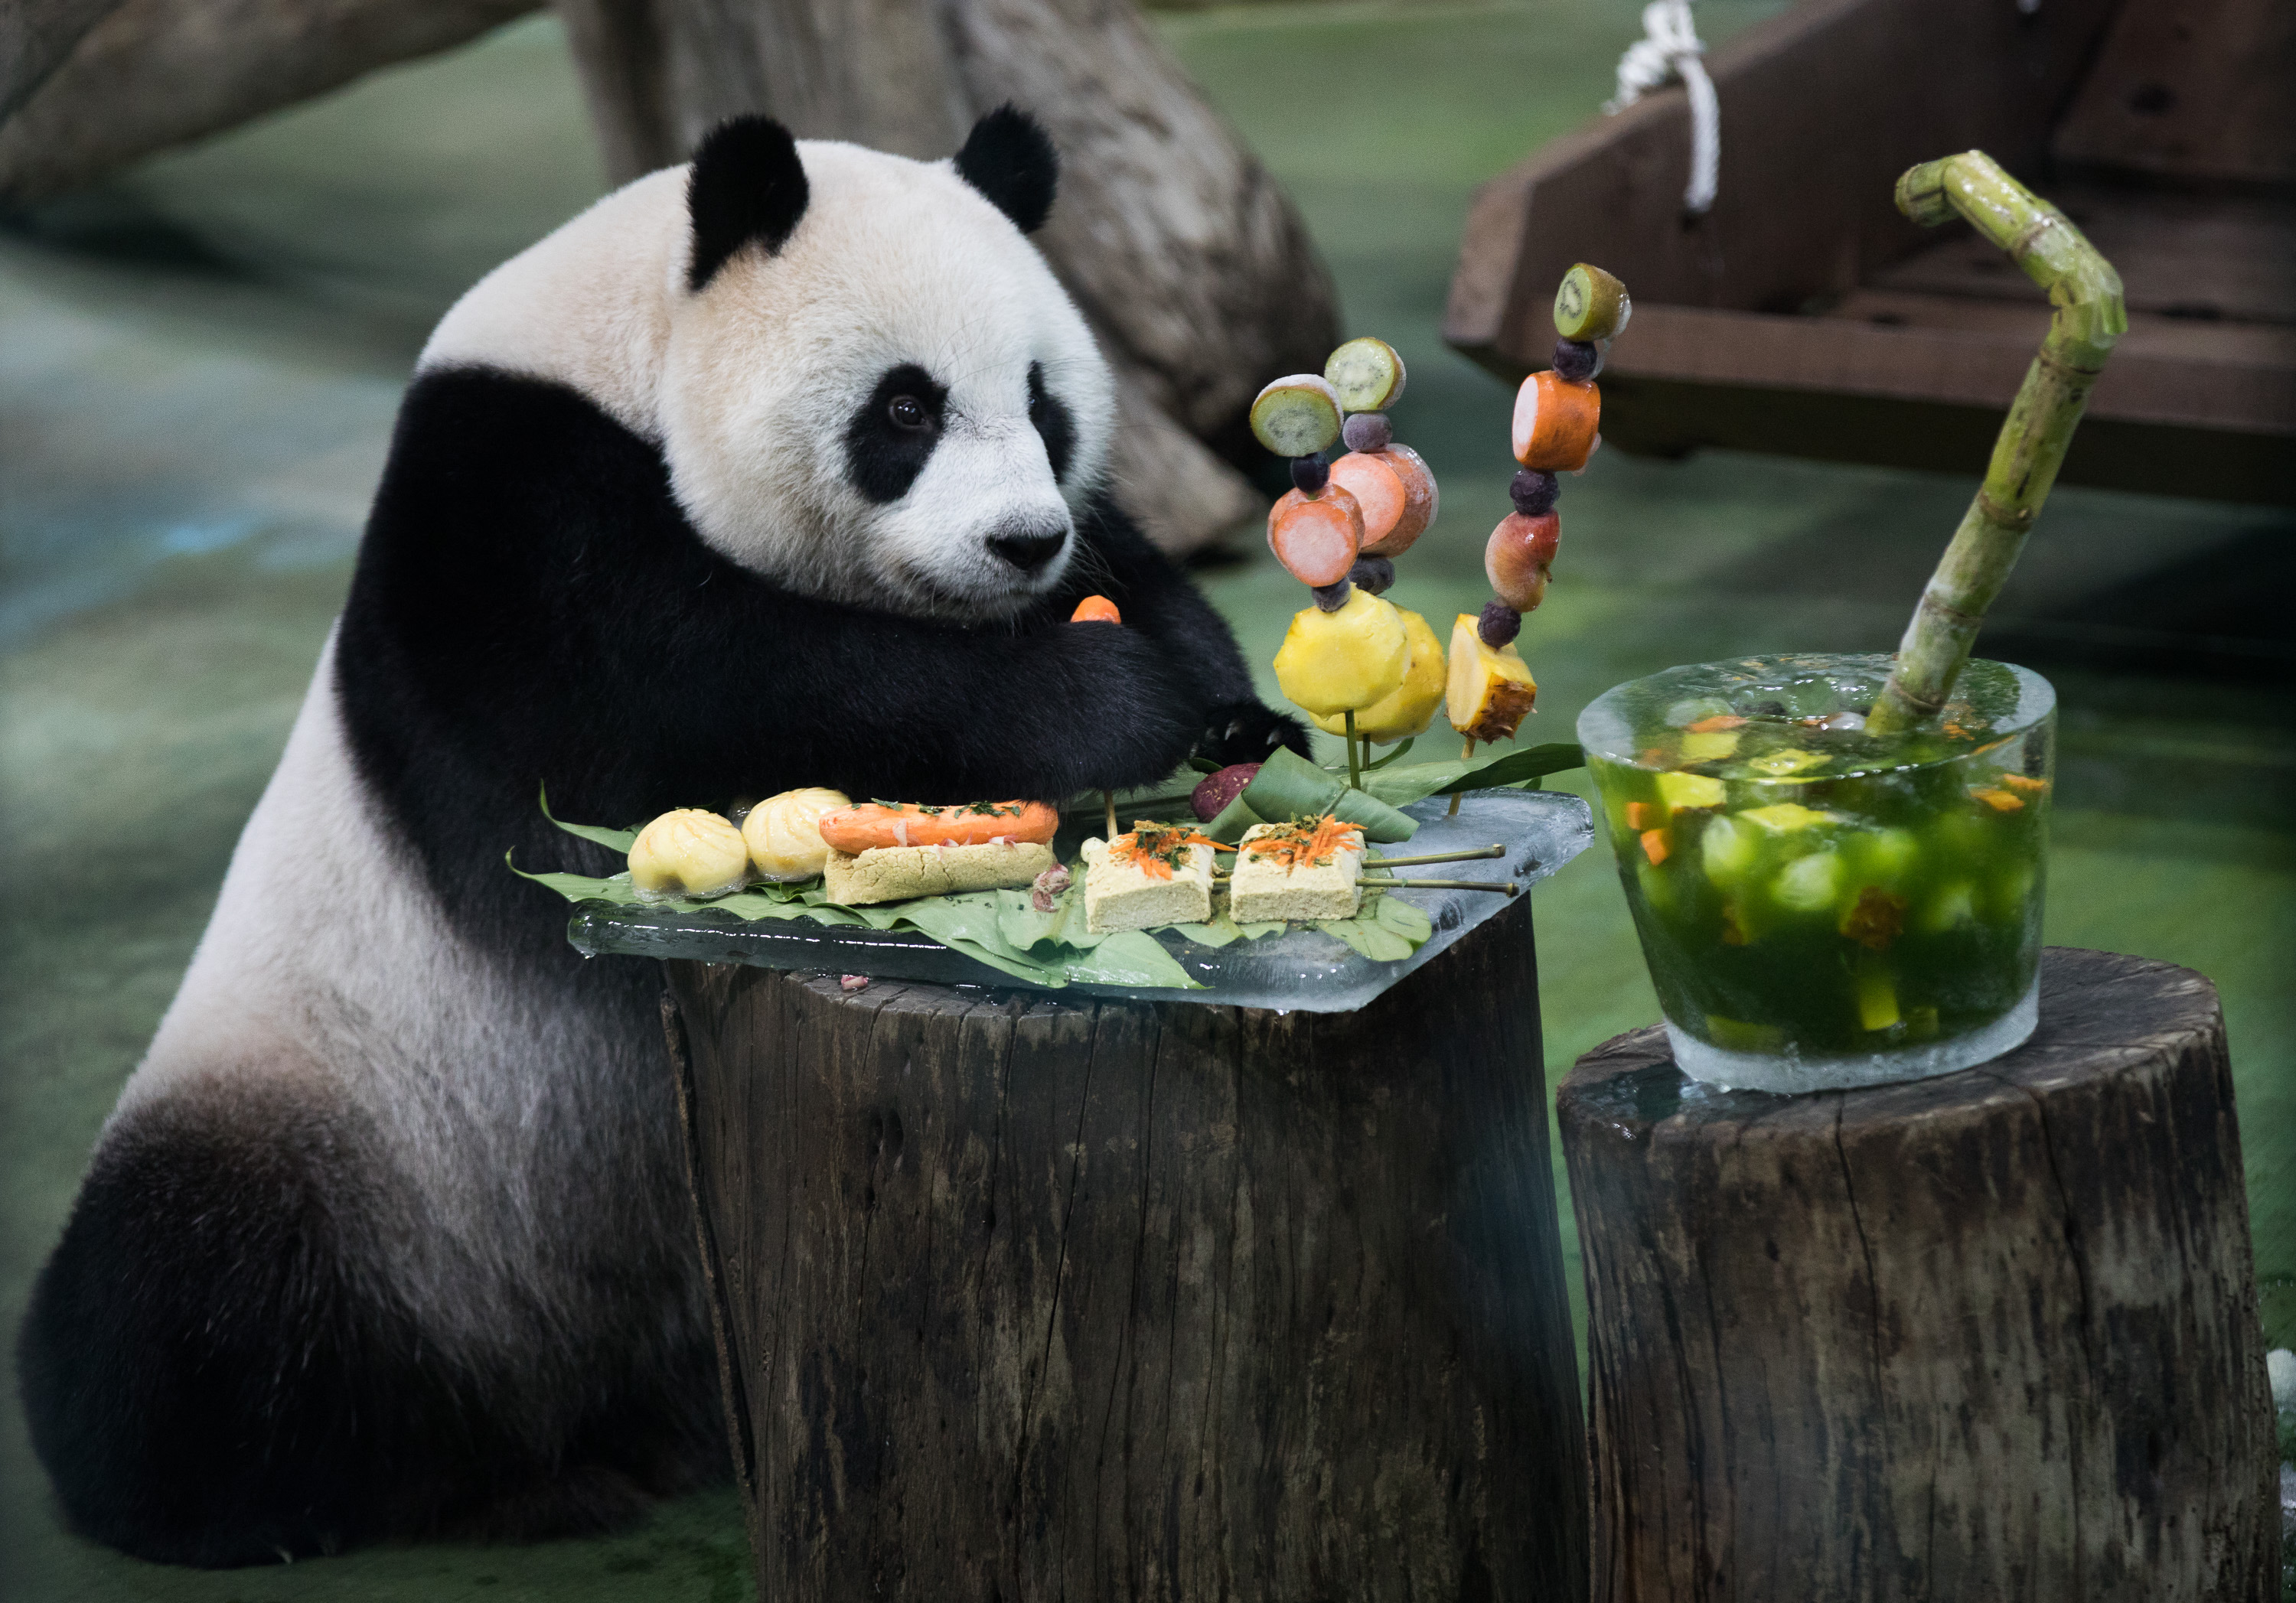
1160, 600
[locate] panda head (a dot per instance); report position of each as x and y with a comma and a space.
873, 390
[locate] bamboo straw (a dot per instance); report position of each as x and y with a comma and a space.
2089, 319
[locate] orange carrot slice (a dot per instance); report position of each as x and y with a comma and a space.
1096, 610
875, 824
1316, 540
1517, 558
1420, 501
1554, 423
1378, 490
1655, 847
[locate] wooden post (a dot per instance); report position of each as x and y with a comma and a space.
1023, 1297
1992, 1336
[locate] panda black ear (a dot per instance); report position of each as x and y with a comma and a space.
1009, 158
747, 185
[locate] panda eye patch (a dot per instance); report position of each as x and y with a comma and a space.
1053, 422
892, 434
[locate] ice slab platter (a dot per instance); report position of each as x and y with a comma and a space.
1302, 968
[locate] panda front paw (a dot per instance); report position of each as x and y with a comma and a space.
1245, 731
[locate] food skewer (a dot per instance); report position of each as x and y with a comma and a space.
1466, 857
1509, 887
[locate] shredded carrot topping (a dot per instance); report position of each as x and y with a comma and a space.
1156, 848
1315, 841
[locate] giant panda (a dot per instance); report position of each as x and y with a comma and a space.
783, 468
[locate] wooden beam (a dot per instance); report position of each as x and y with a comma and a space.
1821, 109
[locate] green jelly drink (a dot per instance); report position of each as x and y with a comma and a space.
1821, 907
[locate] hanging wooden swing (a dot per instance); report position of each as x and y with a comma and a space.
1803, 315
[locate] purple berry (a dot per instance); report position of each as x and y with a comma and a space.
1500, 625
1373, 574
1534, 492
1310, 474
1367, 431
1576, 361
1331, 597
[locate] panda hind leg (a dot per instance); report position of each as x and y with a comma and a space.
215, 1373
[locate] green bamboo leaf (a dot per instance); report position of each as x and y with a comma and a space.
1133, 958
1401, 787
621, 840
1288, 786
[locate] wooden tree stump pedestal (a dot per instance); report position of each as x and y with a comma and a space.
1992, 1336
1023, 1297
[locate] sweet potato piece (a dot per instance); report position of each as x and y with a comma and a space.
1518, 556
1378, 489
1421, 500
1316, 540
1554, 423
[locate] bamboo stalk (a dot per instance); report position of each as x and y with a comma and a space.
1483, 851
1355, 765
2089, 319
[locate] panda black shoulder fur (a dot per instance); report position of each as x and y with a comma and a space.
783, 470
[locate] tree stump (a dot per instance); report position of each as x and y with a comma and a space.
1024, 1298
1992, 1336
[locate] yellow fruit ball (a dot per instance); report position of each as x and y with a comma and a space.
784, 833
1409, 708
688, 853
1332, 661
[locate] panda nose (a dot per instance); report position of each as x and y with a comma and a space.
1028, 549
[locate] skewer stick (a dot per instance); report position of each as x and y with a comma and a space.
1509, 887
1355, 765
1466, 756
1108, 799
1480, 851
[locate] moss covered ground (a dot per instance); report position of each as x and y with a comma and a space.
197, 368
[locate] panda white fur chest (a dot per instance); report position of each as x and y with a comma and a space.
785, 469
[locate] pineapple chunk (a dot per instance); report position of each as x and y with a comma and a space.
1410, 708
1331, 662
1680, 791
1489, 692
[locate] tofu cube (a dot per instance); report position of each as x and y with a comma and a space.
1120, 893
1265, 888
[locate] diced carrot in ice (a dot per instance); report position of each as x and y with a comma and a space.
1641, 815
1719, 722
1655, 847
2000, 801
2025, 782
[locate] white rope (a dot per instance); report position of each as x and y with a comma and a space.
1668, 49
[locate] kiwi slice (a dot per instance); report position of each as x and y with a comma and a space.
1591, 304
1296, 416
1367, 373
